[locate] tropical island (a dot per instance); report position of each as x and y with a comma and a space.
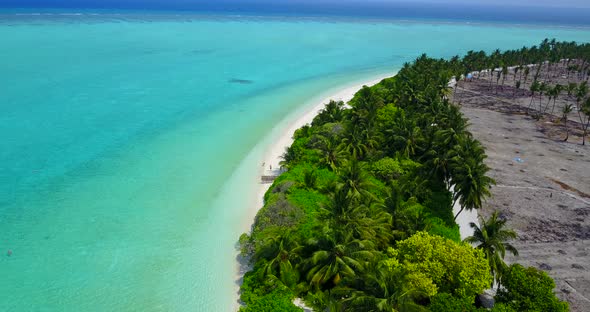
362, 217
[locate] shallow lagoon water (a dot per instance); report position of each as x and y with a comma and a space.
123, 139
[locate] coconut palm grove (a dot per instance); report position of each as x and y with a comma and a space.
362, 217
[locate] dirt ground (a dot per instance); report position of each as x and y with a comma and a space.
543, 183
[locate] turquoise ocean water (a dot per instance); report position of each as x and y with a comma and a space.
122, 136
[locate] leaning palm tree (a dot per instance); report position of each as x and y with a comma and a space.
472, 185
535, 86
565, 112
468, 175
492, 237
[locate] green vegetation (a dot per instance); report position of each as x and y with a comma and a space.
492, 238
528, 289
362, 219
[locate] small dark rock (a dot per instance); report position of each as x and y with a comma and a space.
545, 266
577, 266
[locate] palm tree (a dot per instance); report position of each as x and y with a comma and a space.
586, 110
355, 144
453, 126
543, 88
565, 112
517, 87
288, 157
581, 93
343, 214
457, 79
516, 70
336, 258
550, 93
498, 74
556, 92
492, 238
407, 136
468, 175
571, 89
535, 86
332, 155
353, 179
281, 253
504, 74
527, 71
384, 290
365, 105
332, 112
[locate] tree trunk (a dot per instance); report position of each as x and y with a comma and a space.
540, 103
584, 126
530, 104
553, 109
458, 213
547, 106
585, 130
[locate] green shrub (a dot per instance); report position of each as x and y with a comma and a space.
272, 302
260, 293
445, 302
500, 307
437, 226
454, 268
387, 169
529, 289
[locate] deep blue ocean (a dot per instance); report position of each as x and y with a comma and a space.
130, 139
474, 12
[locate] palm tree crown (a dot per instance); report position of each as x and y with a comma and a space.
492, 237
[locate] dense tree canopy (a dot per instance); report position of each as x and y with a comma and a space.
362, 219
